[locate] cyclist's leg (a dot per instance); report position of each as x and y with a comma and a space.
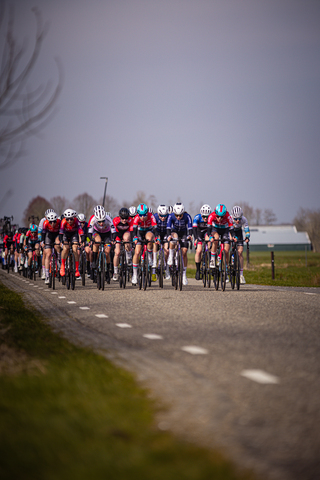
136, 259
197, 258
128, 247
172, 248
64, 254
116, 259
214, 248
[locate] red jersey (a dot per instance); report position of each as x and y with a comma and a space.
51, 227
32, 236
225, 222
144, 224
69, 228
7, 240
123, 227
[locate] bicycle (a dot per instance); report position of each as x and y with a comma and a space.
83, 264
219, 272
124, 268
234, 266
144, 269
205, 264
35, 266
176, 269
69, 279
53, 269
160, 265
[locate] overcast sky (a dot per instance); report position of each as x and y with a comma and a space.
210, 101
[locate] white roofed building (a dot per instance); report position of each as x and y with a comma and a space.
278, 237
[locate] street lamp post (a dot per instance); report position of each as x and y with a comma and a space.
105, 189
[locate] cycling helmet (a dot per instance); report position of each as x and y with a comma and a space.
33, 227
237, 212
205, 210
220, 210
150, 209
108, 214
142, 209
178, 208
124, 213
133, 211
52, 217
46, 213
162, 210
69, 213
99, 213
81, 217
170, 209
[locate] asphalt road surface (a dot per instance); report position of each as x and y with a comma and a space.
237, 370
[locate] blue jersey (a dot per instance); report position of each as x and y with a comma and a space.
199, 226
161, 225
181, 226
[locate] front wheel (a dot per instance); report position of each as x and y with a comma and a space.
161, 268
223, 270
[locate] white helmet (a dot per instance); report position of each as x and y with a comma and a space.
237, 212
150, 209
52, 216
205, 210
170, 209
178, 208
81, 217
99, 213
133, 211
69, 213
46, 213
108, 214
162, 210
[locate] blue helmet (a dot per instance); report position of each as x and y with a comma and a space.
142, 209
220, 210
33, 227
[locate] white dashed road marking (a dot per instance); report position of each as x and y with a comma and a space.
84, 308
123, 325
61, 297
194, 350
54, 293
260, 376
72, 302
101, 315
152, 336
309, 293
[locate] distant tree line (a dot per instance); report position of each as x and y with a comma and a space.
308, 220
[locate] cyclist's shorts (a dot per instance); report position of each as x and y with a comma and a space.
50, 239
71, 237
182, 239
31, 245
223, 233
105, 237
239, 234
142, 236
119, 237
202, 236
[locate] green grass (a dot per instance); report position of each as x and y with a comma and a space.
290, 269
67, 413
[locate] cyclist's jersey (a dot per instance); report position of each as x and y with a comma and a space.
161, 225
85, 228
95, 227
68, 229
120, 227
182, 226
199, 226
143, 226
40, 227
32, 236
226, 221
51, 228
243, 223
7, 241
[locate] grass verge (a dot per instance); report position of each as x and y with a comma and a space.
67, 413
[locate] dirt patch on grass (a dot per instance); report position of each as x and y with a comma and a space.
14, 362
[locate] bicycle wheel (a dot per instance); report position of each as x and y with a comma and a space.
145, 270
161, 268
73, 271
34, 268
124, 270
103, 270
223, 270
216, 277
53, 271
232, 271
139, 274
204, 268
180, 269
83, 262
237, 269
67, 275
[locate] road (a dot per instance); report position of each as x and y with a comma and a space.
237, 370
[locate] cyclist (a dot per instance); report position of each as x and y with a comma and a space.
8, 245
200, 226
69, 232
40, 227
179, 226
50, 238
84, 227
220, 224
144, 228
99, 232
162, 218
239, 222
121, 232
31, 244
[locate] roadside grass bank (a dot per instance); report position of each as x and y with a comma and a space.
66, 412
290, 268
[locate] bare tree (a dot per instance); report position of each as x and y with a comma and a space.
248, 211
257, 216
37, 206
84, 203
308, 220
269, 216
59, 204
140, 197
24, 111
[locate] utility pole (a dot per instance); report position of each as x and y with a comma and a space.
105, 189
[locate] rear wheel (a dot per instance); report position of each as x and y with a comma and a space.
204, 268
83, 261
180, 269
223, 269
145, 267
237, 269
103, 270
161, 268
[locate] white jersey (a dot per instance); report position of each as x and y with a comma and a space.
94, 226
242, 224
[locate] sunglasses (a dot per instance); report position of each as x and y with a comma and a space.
69, 219
179, 216
237, 219
101, 222
142, 214
52, 221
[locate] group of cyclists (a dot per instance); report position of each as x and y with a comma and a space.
133, 227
